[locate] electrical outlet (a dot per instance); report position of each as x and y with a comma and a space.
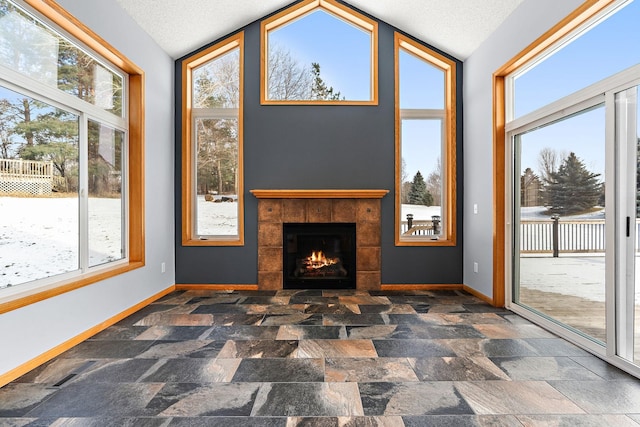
475, 267
163, 268
475, 208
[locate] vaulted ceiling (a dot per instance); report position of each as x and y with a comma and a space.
457, 27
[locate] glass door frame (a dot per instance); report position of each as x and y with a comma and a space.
617, 310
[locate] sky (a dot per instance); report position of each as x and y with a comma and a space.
606, 49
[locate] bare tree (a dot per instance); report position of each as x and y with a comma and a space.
548, 162
287, 78
434, 184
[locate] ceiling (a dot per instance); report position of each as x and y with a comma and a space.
457, 27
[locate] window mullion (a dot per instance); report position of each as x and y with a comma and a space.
83, 191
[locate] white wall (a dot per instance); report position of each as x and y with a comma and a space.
528, 22
30, 331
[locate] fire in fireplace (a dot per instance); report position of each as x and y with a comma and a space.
319, 255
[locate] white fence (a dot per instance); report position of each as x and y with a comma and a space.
573, 236
27, 176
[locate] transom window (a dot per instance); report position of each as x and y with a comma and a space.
212, 146
425, 145
319, 51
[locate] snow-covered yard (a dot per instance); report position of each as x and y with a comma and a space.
39, 236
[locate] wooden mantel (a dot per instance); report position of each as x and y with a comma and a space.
319, 194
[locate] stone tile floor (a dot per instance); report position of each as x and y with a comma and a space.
323, 358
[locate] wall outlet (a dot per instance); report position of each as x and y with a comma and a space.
163, 268
475, 208
475, 267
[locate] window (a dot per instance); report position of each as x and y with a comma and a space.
425, 146
71, 166
212, 146
319, 51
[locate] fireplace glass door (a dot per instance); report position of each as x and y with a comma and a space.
319, 256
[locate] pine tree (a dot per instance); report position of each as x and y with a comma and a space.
418, 194
572, 188
319, 90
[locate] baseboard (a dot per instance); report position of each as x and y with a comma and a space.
480, 295
420, 287
212, 287
15, 373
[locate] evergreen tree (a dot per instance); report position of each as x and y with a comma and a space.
572, 188
319, 90
418, 194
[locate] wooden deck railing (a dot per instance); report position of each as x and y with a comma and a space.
27, 176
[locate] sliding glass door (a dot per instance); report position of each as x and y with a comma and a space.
576, 219
561, 220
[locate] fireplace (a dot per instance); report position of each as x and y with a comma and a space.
319, 255
314, 207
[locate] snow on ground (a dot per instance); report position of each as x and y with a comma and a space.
217, 218
420, 212
39, 236
541, 212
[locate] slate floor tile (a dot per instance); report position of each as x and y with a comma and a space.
457, 369
511, 397
300, 332
258, 348
543, 368
385, 369
411, 348
202, 400
86, 399
343, 358
620, 396
280, 370
308, 399
191, 370
418, 398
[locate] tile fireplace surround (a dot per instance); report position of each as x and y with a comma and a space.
361, 207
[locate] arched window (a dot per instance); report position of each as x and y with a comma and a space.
319, 51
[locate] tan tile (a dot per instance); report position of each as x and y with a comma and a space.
368, 280
270, 210
319, 210
368, 259
368, 210
270, 234
344, 210
336, 348
294, 210
269, 280
364, 299
269, 259
368, 234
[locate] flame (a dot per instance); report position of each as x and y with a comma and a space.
319, 260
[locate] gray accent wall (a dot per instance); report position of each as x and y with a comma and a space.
280, 152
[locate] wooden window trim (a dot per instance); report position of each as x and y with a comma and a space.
449, 193
298, 10
573, 21
188, 194
135, 195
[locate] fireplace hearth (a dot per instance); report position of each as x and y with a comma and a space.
319, 255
